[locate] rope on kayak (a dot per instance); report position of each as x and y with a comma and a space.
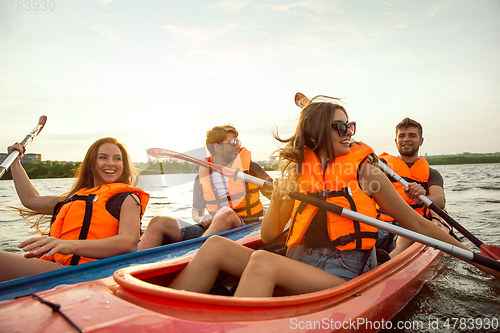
55, 308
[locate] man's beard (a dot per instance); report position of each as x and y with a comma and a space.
228, 158
408, 153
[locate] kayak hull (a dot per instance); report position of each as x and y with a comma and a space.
129, 302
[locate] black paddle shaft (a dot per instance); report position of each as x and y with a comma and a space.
456, 225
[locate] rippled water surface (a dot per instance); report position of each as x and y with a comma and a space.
458, 292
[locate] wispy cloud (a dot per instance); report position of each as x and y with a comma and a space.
435, 9
107, 32
104, 2
316, 6
225, 62
196, 35
229, 5
403, 19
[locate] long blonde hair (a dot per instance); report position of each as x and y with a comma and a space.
85, 178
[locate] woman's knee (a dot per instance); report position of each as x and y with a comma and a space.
214, 248
216, 243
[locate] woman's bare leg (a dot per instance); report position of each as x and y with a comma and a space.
216, 255
15, 266
265, 270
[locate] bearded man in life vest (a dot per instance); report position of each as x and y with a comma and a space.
421, 178
219, 203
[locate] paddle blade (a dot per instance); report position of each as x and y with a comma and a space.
161, 153
301, 100
42, 120
490, 251
41, 124
165, 153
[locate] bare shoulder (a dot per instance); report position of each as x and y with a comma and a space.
132, 200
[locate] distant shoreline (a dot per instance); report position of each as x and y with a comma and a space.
56, 169
464, 158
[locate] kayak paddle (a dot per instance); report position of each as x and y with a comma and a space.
236, 174
31, 135
486, 250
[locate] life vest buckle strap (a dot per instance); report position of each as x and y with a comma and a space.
344, 240
323, 195
87, 219
250, 206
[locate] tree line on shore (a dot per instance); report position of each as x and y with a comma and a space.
174, 166
47, 169
464, 158
56, 169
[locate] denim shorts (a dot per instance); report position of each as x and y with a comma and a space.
386, 240
344, 264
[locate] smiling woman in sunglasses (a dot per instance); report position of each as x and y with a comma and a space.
322, 160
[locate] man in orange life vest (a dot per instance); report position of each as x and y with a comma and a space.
219, 203
422, 179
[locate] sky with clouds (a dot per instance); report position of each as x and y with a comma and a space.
161, 73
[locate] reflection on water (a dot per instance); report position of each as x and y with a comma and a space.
153, 183
460, 290
171, 195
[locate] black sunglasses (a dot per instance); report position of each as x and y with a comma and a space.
342, 127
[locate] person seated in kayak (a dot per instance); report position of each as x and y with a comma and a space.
100, 217
219, 203
421, 178
322, 161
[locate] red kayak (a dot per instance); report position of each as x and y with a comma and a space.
136, 299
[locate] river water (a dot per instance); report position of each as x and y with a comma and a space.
460, 298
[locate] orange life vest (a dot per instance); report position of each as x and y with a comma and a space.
338, 185
243, 198
84, 216
419, 173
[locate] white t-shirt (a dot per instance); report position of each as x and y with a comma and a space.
220, 183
